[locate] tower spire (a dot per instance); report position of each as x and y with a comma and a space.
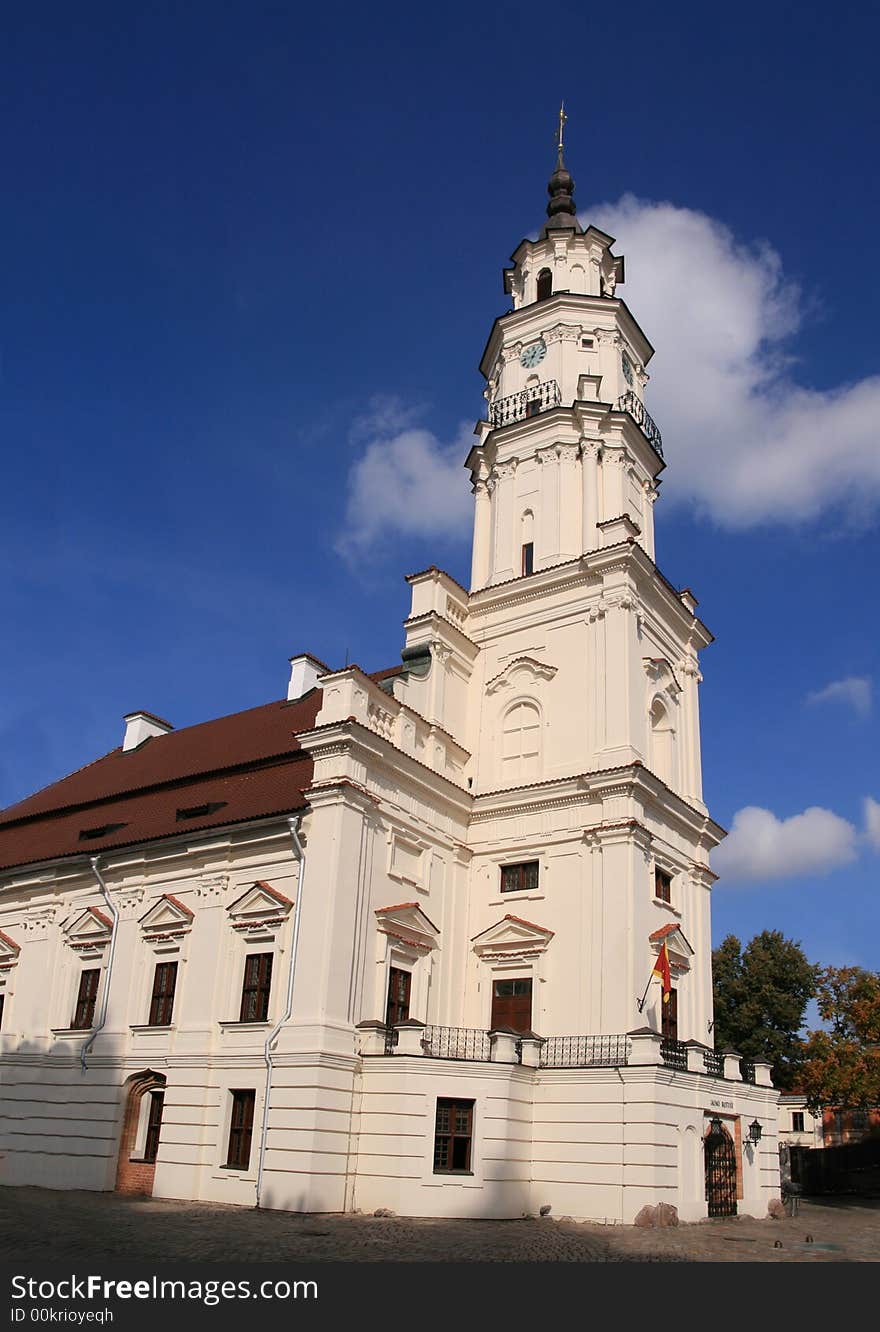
561, 209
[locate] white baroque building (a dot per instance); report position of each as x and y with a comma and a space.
383, 943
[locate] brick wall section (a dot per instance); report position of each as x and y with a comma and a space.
134, 1177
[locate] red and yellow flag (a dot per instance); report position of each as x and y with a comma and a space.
661, 970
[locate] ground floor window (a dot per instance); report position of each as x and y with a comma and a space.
453, 1136
241, 1127
154, 1125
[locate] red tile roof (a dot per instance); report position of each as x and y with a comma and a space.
663, 931
249, 764
11, 942
273, 892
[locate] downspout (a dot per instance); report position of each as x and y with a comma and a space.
109, 972
293, 824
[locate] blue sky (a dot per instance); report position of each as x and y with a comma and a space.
252, 256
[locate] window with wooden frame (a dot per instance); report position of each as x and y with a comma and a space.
544, 284
453, 1135
519, 878
797, 1121
528, 558
662, 885
154, 1125
256, 988
87, 994
162, 1001
399, 987
241, 1127
669, 1017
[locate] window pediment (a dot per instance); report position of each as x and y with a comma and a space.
521, 672
659, 671
89, 931
9, 951
680, 951
511, 937
260, 911
407, 922
167, 919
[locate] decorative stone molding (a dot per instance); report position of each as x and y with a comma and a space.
211, 886
167, 921
519, 671
407, 923
9, 951
128, 902
680, 951
511, 939
660, 673
37, 920
89, 931
260, 912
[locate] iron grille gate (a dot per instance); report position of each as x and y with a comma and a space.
720, 1171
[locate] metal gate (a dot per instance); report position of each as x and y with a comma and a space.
720, 1170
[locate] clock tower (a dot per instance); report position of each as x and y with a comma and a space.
567, 446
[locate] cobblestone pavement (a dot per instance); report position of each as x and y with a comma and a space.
39, 1225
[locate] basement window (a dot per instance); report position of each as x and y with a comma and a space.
201, 811
104, 830
587, 344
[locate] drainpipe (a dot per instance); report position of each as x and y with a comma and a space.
293, 824
106, 987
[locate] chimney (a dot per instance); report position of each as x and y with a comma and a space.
140, 726
305, 671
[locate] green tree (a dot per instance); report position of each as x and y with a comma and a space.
760, 994
842, 1064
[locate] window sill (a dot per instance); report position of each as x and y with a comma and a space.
137, 1029
667, 906
453, 1174
235, 1025
522, 895
71, 1031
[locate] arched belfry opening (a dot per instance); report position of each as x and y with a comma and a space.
662, 739
544, 284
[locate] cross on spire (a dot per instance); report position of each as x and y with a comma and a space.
562, 119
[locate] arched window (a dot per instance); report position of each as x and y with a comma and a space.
521, 744
545, 284
662, 736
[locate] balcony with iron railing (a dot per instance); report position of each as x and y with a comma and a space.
470, 1044
528, 402
634, 407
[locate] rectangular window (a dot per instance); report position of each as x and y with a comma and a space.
663, 885
528, 558
162, 1002
452, 1136
512, 1004
519, 878
797, 1121
399, 985
2, 997
154, 1125
241, 1127
84, 1013
256, 987
669, 1018
587, 344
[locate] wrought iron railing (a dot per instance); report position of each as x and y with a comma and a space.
674, 1053
456, 1043
584, 1051
391, 1039
713, 1061
636, 408
747, 1070
529, 402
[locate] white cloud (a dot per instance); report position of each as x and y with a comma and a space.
872, 822
406, 481
743, 440
761, 846
854, 691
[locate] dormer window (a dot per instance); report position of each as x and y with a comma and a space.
545, 284
200, 811
102, 830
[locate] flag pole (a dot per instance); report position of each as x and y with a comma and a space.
645, 995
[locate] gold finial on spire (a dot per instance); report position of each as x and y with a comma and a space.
562, 119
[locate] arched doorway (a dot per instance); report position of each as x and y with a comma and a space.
141, 1131
720, 1155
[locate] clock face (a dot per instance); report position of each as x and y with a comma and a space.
533, 355
627, 372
